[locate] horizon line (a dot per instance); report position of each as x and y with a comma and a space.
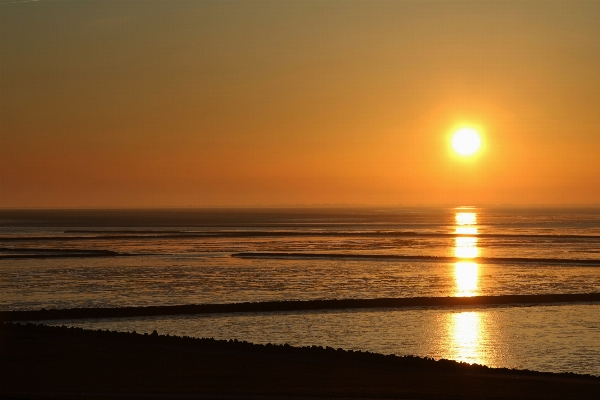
300, 206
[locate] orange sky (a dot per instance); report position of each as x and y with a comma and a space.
141, 103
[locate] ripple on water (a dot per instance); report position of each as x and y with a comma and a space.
563, 338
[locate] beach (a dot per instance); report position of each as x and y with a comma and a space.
42, 362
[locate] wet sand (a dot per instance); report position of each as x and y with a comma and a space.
38, 362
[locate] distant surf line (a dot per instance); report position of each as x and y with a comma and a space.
394, 257
165, 235
18, 253
41, 253
297, 305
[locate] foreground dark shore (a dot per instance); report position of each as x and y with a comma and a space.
41, 362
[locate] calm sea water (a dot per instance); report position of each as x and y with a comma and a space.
552, 338
185, 256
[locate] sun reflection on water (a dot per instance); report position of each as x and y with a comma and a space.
466, 218
466, 271
466, 230
466, 247
466, 275
466, 330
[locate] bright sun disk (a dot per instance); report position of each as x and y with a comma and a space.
466, 141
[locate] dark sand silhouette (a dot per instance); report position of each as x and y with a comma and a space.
38, 362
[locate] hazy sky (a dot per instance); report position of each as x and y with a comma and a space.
177, 103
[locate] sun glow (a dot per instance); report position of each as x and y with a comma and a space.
466, 141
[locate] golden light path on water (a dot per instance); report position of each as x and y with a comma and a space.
466, 272
465, 330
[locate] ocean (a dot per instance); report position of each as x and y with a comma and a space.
56, 259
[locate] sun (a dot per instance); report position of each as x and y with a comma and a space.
466, 141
